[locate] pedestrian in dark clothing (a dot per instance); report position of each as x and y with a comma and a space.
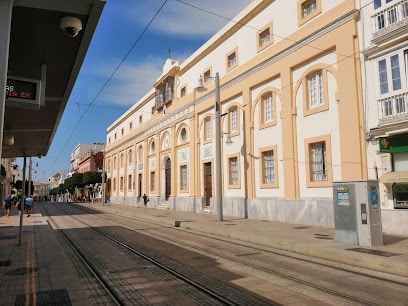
7, 204
145, 200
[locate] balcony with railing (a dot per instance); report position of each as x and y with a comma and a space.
391, 18
164, 92
393, 109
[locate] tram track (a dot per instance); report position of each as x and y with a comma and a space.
318, 286
213, 297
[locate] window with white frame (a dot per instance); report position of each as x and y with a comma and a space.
207, 128
307, 10
318, 156
183, 135
390, 74
152, 180
264, 37
233, 171
268, 164
315, 89
140, 153
233, 120
232, 59
308, 7
183, 177
267, 107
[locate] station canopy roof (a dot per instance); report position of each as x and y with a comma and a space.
37, 41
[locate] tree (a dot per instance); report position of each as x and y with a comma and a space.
77, 180
92, 178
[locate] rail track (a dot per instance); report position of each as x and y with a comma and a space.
305, 284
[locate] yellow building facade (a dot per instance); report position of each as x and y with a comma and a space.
291, 110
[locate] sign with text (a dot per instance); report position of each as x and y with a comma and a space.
22, 92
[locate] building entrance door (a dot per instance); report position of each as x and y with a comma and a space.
207, 183
140, 185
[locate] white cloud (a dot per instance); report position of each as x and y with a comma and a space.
131, 82
200, 18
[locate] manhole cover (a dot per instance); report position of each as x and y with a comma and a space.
301, 227
373, 252
54, 297
22, 271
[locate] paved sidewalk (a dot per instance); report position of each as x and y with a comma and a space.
392, 257
38, 271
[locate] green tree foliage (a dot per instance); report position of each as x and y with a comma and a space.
92, 178
77, 180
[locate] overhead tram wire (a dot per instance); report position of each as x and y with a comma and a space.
109, 79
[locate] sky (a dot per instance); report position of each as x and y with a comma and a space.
131, 43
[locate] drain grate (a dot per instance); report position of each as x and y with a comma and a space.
22, 271
54, 297
373, 252
8, 237
301, 227
5, 263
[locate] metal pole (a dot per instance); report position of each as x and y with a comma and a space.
30, 179
103, 176
218, 173
22, 202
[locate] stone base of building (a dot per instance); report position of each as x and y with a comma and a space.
314, 212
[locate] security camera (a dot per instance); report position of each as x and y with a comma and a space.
71, 25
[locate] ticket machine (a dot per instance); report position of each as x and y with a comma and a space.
357, 213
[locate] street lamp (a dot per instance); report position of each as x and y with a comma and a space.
218, 174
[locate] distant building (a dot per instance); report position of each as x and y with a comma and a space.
41, 190
54, 181
87, 157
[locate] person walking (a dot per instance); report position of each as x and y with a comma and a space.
7, 205
145, 200
17, 201
29, 203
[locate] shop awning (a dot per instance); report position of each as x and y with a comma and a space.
394, 177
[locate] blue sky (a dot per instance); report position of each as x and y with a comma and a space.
125, 58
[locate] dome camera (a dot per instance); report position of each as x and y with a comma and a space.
71, 25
